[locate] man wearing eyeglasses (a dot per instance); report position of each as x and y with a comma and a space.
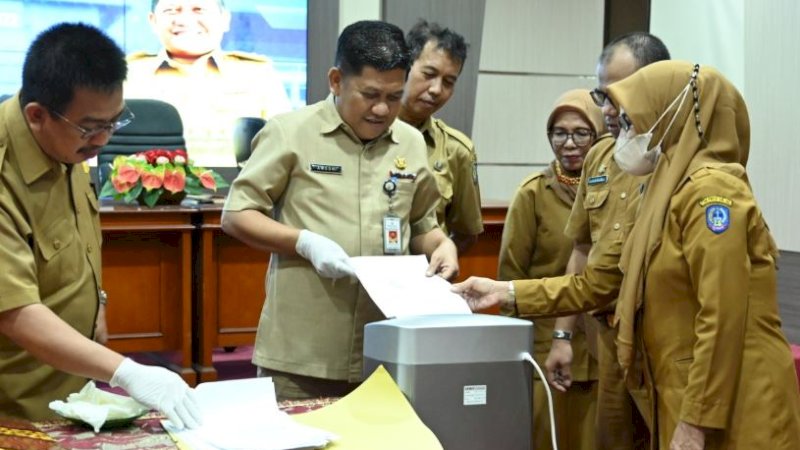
51, 298
602, 216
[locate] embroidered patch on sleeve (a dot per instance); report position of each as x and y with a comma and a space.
718, 218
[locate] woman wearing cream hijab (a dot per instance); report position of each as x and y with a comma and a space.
534, 246
697, 312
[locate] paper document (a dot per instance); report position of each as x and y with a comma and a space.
374, 416
399, 286
243, 414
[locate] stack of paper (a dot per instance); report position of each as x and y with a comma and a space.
400, 288
243, 414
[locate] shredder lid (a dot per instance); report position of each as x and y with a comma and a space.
448, 338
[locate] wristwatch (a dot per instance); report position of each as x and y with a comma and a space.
562, 334
102, 296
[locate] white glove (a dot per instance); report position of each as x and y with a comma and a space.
159, 388
327, 256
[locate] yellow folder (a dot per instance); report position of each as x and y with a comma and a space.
375, 415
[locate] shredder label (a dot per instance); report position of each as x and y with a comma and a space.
475, 395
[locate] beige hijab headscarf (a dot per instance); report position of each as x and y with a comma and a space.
579, 101
720, 112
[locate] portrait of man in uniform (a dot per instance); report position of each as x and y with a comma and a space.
211, 88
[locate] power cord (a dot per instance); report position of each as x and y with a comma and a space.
527, 357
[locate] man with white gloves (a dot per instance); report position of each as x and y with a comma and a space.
51, 301
335, 179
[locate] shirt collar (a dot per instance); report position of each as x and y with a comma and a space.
32, 160
164, 61
332, 121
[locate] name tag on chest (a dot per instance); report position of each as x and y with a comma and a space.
326, 168
602, 179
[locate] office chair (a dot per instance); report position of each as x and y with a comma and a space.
157, 125
243, 134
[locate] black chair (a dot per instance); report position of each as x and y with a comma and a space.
245, 130
157, 125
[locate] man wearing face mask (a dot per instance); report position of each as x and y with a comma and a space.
602, 216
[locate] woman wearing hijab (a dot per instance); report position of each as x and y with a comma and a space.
534, 246
697, 312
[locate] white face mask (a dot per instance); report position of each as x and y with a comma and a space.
632, 152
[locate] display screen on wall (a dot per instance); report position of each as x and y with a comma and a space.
261, 65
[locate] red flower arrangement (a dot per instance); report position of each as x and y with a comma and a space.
154, 175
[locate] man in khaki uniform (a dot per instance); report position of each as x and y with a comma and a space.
210, 88
335, 179
438, 56
50, 280
602, 216
534, 247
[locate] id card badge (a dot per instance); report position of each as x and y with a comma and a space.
392, 240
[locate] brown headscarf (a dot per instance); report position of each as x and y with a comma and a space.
724, 144
579, 101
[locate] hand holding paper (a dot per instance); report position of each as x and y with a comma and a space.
400, 287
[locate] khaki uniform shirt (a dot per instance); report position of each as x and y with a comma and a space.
534, 246
309, 171
606, 204
452, 158
210, 97
602, 215
49, 254
710, 326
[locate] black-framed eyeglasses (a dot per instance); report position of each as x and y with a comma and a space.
624, 121
581, 136
125, 118
600, 97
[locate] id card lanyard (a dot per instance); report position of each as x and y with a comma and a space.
392, 224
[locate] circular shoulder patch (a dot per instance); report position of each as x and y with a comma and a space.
718, 218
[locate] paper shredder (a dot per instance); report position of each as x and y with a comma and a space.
463, 375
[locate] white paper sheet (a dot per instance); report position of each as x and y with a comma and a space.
400, 288
243, 414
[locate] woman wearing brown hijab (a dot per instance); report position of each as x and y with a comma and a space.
697, 312
534, 246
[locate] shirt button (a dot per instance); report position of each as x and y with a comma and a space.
623, 195
591, 199
88, 249
616, 226
56, 245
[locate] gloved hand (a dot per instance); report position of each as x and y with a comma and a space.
327, 256
160, 389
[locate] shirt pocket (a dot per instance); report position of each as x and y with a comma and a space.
594, 204
59, 261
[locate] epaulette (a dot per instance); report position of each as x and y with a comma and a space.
246, 56
531, 178
456, 134
136, 56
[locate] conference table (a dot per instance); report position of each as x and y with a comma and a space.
179, 287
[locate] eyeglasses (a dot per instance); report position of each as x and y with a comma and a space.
125, 118
624, 121
580, 137
600, 97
